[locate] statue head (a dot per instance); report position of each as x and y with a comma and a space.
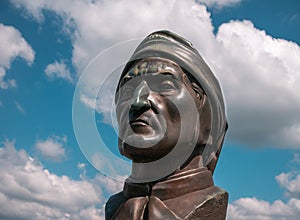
166, 95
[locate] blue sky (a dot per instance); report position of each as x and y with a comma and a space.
252, 46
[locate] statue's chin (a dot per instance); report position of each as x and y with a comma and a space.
142, 148
142, 140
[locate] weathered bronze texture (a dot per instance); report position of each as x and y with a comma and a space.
163, 82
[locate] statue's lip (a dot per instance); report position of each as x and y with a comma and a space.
139, 121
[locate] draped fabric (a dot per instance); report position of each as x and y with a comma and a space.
184, 195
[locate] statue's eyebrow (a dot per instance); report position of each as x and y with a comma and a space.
125, 79
169, 73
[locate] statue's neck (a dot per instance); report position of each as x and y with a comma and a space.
139, 170
194, 163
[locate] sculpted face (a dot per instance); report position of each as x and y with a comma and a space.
146, 107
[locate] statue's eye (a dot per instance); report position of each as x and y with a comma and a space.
167, 85
125, 92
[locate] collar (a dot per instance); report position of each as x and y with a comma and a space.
178, 184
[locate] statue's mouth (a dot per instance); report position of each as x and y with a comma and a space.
139, 122
142, 125
147, 123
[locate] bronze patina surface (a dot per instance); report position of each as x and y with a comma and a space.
168, 102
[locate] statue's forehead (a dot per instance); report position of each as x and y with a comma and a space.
154, 66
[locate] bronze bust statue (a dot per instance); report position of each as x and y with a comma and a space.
172, 124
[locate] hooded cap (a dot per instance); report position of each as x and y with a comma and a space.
165, 44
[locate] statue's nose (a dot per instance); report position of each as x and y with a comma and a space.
140, 98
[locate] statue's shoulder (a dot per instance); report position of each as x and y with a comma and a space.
113, 204
205, 204
214, 206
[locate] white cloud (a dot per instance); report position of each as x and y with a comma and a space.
34, 7
29, 191
81, 165
259, 73
4, 84
99, 24
52, 148
219, 3
254, 209
58, 70
260, 80
12, 45
291, 182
